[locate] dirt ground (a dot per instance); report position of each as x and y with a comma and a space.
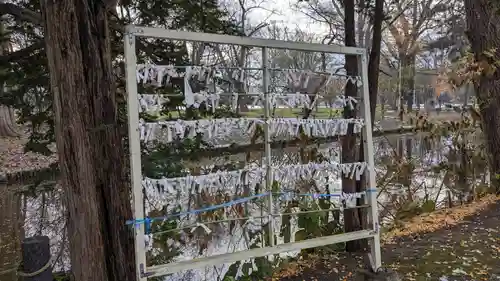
462, 243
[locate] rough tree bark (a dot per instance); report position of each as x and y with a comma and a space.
10, 236
483, 32
373, 77
89, 144
374, 60
352, 217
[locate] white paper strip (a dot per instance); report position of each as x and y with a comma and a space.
151, 103
165, 131
299, 100
287, 176
147, 73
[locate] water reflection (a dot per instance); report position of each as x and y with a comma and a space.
407, 171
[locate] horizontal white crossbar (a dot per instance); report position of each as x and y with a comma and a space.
165, 269
239, 40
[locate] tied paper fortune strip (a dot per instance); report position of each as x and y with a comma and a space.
298, 100
164, 189
158, 74
161, 75
166, 131
151, 103
301, 78
314, 127
323, 173
289, 196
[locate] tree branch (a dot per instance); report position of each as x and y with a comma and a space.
22, 53
20, 13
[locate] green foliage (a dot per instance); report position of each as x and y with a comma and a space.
27, 80
62, 277
26, 76
165, 160
428, 206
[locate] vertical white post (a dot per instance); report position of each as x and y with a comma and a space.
369, 158
267, 142
135, 151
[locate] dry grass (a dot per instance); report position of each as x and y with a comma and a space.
440, 219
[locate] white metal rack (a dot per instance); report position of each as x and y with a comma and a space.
143, 272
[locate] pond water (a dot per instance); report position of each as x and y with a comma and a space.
43, 213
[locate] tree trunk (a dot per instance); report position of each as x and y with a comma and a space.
8, 127
359, 216
10, 219
374, 60
352, 217
89, 144
407, 62
483, 32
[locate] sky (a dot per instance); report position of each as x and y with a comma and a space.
284, 15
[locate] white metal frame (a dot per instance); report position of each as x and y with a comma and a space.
143, 272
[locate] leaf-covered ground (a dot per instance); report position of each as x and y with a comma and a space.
13, 158
462, 243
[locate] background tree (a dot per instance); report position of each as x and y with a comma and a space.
412, 19
483, 33
361, 21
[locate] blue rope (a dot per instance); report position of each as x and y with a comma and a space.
148, 220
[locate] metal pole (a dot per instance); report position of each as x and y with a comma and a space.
135, 152
267, 140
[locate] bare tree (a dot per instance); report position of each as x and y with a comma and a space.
412, 19
331, 13
233, 57
365, 27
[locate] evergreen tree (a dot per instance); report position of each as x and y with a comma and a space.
61, 81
